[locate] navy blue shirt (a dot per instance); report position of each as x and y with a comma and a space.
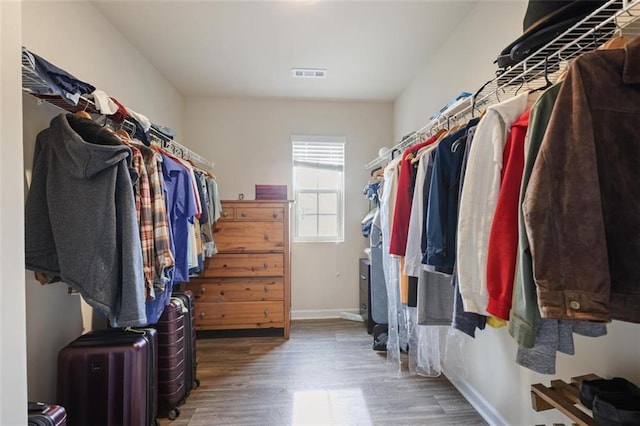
442, 211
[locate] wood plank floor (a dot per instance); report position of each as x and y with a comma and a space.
326, 374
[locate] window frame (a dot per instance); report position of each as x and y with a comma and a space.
340, 215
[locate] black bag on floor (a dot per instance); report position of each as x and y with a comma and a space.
41, 414
380, 336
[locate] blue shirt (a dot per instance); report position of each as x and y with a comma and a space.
181, 209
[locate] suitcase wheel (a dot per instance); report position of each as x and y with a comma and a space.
173, 414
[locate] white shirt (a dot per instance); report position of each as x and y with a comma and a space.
479, 198
413, 256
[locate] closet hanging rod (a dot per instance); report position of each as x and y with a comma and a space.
33, 85
455, 112
587, 34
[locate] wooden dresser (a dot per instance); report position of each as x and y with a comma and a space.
247, 285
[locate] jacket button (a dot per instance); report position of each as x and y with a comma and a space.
574, 304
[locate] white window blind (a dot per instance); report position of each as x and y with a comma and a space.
319, 155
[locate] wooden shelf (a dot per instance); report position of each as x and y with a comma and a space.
564, 397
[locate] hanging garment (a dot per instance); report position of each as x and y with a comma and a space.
413, 255
503, 238
525, 316
80, 218
466, 322
555, 336
142, 194
391, 266
582, 203
402, 205
181, 209
163, 258
379, 306
479, 198
442, 213
538, 340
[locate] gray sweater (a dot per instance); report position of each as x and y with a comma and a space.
80, 219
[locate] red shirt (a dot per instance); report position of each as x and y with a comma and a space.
402, 208
503, 239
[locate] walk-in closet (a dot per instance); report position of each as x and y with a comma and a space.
319, 212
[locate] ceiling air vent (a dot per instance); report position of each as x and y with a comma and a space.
309, 73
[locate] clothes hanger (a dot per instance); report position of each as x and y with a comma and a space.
123, 134
83, 113
475, 97
548, 82
618, 41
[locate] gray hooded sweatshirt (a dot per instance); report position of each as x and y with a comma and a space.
80, 219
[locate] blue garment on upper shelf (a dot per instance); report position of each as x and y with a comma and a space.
58, 80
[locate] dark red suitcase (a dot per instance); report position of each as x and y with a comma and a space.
108, 377
172, 389
41, 414
191, 364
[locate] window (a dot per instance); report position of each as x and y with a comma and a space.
318, 188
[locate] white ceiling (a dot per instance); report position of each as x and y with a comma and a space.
371, 49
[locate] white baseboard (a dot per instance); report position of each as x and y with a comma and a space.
482, 406
320, 313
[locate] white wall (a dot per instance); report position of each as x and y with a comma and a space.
462, 64
250, 141
490, 376
13, 369
76, 37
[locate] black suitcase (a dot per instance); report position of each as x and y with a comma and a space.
40, 414
188, 300
108, 377
172, 386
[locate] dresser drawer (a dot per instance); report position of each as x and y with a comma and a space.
237, 290
259, 213
241, 237
227, 213
212, 316
244, 265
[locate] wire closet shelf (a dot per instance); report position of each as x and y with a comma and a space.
33, 85
613, 17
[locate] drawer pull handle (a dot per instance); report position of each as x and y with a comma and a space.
243, 214
266, 313
225, 214
202, 289
266, 289
275, 215
362, 277
202, 314
266, 237
265, 265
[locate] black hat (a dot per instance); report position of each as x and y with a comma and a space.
589, 389
617, 409
543, 21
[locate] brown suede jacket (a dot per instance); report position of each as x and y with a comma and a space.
582, 204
